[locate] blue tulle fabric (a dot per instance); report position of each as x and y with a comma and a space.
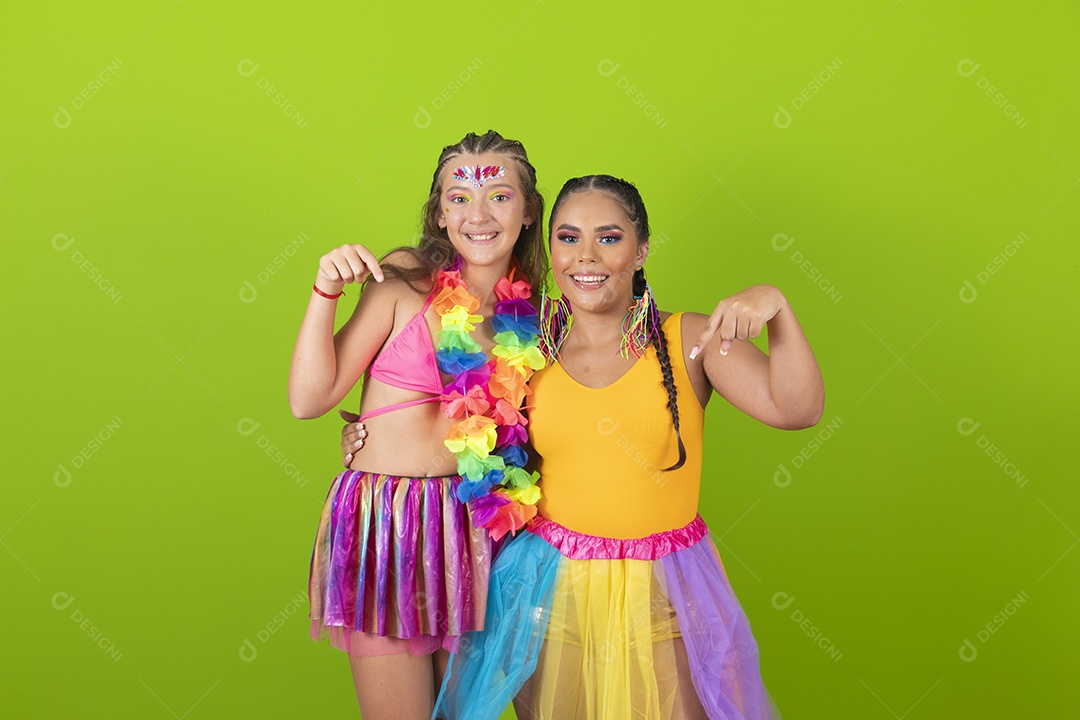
526, 573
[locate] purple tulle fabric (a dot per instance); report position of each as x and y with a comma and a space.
397, 557
722, 651
579, 546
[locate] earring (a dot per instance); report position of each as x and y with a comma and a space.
641, 321
556, 318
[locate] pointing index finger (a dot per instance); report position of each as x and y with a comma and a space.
371, 261
706, 335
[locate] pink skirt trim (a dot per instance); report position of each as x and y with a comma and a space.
362, 644
579, 546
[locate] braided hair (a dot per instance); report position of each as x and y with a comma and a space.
629, 198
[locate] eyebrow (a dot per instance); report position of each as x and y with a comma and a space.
598, 228
486, 186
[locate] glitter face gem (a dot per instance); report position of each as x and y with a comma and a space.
479, 174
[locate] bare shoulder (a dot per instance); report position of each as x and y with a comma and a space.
392, 292
693, 324
404, 258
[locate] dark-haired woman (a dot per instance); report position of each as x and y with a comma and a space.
400, 566
614, 603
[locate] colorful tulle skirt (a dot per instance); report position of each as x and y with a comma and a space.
398, 566
580, 626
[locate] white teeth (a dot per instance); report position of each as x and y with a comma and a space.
589, 278
486, 236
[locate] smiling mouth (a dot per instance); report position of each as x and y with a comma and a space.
481, 237
589, 281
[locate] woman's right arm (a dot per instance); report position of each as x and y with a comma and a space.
324, 366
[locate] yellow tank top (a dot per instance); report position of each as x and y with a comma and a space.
602, 450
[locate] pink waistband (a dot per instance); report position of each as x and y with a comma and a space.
579, 546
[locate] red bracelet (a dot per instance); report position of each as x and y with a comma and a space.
328, 297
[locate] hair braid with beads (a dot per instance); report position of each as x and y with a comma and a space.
628, 196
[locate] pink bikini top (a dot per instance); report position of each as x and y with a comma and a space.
408, 362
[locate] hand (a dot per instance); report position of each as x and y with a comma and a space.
352, 436
346, 264
741, 316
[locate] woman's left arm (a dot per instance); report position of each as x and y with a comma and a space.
783, 388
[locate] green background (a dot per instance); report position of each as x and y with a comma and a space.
163, 230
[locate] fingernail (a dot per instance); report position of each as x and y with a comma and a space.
694, 352
379, 278
723, 351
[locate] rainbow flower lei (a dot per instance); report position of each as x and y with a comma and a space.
485, 398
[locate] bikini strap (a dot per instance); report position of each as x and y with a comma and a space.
396, 406
427, 303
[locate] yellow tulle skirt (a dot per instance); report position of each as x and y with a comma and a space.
604, 629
